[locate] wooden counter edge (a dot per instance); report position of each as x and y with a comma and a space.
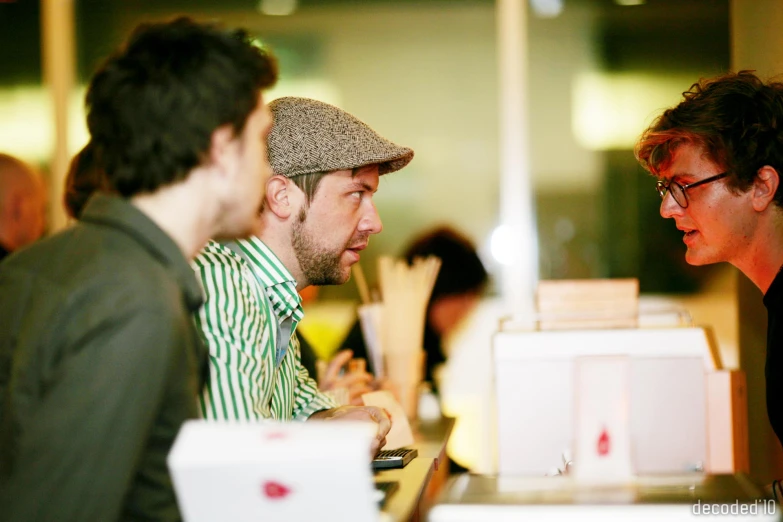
403, 504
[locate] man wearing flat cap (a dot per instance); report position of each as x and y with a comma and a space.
318, 215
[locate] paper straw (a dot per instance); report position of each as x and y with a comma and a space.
361, 283
406, 292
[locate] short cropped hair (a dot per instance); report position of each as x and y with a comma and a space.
461, 270
152, 106
736, 118
309, 183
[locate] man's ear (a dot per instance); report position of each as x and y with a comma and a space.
279, 197
765, 185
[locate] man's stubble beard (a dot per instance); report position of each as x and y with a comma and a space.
320, 266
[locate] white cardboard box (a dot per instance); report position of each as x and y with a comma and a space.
271, 471
534, 386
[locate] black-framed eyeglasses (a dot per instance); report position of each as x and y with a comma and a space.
678, 191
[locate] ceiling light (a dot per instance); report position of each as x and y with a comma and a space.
547, 8
277, 7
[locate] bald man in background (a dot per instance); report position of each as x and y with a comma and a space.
22, 205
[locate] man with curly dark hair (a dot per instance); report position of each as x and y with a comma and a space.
718, 157
100, 362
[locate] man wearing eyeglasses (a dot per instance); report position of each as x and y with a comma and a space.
718, 156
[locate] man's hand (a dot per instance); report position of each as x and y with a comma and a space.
356, 382
360, 413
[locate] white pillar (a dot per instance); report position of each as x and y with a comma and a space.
57, 33
517, 214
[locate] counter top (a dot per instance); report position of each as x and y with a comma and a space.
430, 438
413, 479
416, 479
675, 497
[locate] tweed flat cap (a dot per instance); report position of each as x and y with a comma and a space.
310, 136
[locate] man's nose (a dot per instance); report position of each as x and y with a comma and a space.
371, 221
669, 207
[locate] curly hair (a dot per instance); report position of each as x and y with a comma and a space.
153, 105
736, 118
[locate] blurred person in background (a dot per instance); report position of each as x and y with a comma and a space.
22, 205
84, 177
101, 362
318, 214
718, 157
457, 290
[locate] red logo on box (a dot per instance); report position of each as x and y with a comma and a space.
275, 490
603, 444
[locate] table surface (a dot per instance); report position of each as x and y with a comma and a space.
412, 480
685, 488
430, 440
670, 497
430, 437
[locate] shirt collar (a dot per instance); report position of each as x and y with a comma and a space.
274, 276
773, 292
118, 213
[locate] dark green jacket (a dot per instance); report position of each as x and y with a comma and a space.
99, 366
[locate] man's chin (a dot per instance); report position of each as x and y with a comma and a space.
345, 275
332, 279
695, 259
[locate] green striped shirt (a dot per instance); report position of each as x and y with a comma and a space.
250, 300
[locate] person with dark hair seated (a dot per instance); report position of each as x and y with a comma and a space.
458, 287
82, 180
